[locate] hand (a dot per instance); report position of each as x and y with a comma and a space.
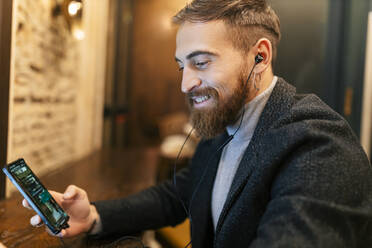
2, 246
76, 204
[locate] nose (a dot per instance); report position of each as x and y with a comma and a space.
190, 80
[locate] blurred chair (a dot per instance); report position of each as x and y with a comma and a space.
173, 130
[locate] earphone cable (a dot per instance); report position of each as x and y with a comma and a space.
227, 141
174, 171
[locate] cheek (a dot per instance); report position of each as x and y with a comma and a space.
222, 82
226, 80
226, 89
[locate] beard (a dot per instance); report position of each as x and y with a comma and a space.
211, 122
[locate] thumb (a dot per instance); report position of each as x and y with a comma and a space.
70, 193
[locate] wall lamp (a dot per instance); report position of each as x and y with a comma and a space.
72, 10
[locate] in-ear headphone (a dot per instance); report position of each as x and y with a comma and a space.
258, 59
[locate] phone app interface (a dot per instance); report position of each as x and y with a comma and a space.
41, 196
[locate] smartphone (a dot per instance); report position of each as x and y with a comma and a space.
54, 217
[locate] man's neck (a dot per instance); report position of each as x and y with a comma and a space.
266, 79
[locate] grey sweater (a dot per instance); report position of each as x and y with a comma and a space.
233, 152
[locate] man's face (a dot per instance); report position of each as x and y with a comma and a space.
214, 75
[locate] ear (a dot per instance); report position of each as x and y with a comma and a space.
264, 48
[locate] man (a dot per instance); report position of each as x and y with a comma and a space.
274, 169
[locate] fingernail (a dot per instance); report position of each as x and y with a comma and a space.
67, 195
34, 220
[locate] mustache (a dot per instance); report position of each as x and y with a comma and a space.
202, 92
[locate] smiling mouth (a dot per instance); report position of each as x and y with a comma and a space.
200, 99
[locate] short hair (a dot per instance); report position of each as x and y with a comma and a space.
248, 20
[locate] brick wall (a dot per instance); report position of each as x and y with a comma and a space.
46, 89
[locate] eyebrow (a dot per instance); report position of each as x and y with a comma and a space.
196, 53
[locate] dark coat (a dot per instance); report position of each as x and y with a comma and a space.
304, 181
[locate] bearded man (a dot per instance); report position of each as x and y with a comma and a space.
274, 168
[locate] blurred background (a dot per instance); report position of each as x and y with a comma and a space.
78, 76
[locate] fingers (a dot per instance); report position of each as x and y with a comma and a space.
61, 234
73, 192
57, 196
26, 205
36, 221
70, 192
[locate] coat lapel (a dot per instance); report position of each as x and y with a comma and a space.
200, 208
275, 106
240, 179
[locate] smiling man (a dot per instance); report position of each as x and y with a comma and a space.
216, 64
274, 168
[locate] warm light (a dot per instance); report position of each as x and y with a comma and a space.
166, 21
74, 7
79, 34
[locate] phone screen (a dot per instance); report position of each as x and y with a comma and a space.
39, 195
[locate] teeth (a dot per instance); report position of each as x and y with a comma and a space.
201, 99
